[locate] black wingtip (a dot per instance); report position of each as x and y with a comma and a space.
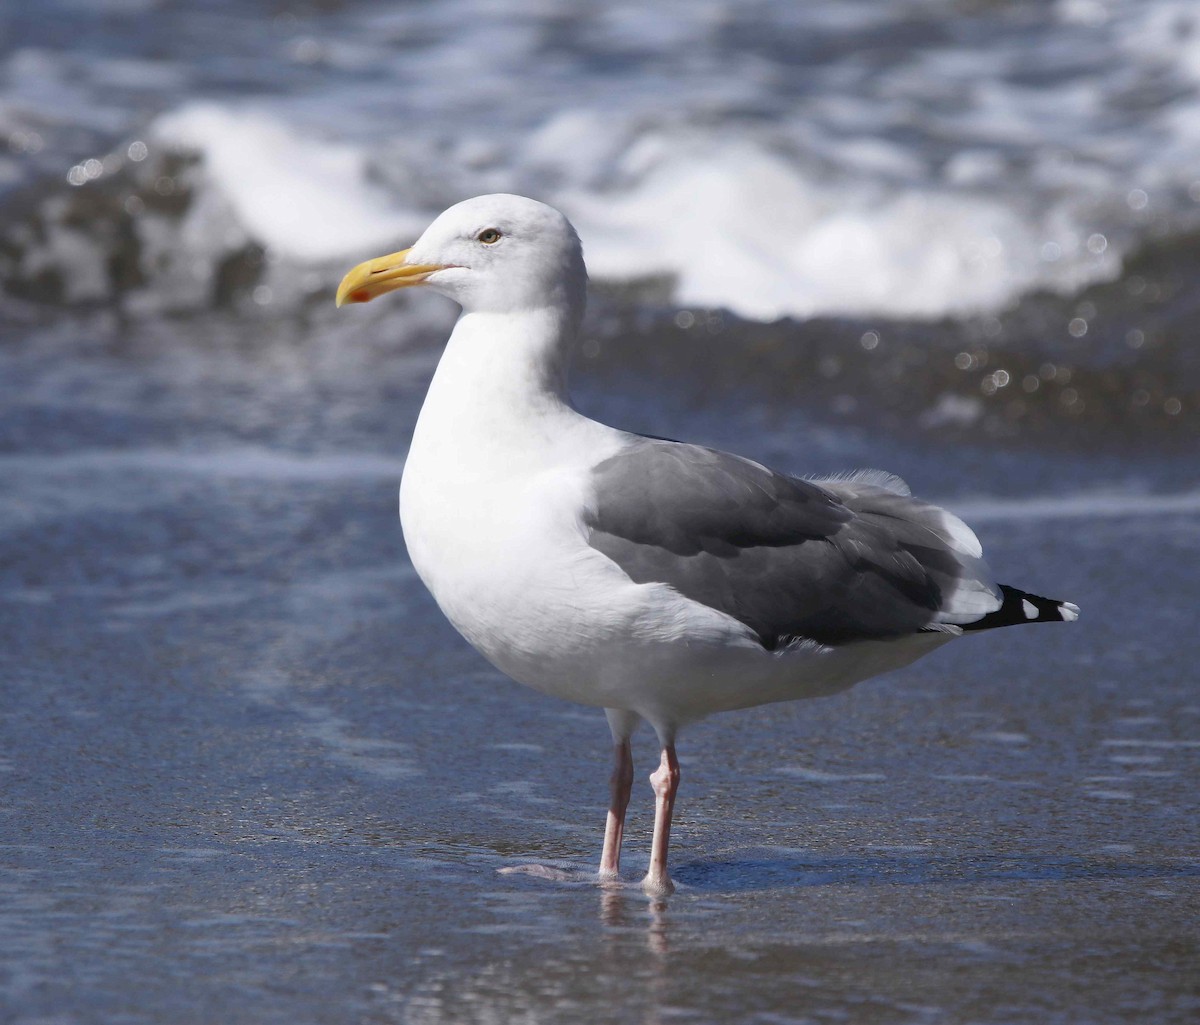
1022, 607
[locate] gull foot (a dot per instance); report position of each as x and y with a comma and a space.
658, 886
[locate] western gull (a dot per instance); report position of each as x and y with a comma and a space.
657, 580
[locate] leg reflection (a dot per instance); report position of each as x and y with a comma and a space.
617, 906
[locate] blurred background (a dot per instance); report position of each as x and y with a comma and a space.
250, 773
1030, 170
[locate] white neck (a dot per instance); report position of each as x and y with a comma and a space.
500, 391
512, 357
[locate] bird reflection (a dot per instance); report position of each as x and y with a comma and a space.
615, 912
621, 909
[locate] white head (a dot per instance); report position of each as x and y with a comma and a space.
491, 254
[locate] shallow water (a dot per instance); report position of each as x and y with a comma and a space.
251, 773
248, 772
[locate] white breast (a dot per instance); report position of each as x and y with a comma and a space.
508, 563
491, 504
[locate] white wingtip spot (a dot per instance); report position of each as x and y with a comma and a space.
1029, 609
1069, 611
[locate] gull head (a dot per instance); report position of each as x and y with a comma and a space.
490, 254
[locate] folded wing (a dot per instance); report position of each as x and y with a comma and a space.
833, 561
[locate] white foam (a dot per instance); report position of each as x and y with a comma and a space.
1163, 31
740, 227
735, 224
763, 184
301, 197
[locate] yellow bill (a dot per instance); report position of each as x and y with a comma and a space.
383, 274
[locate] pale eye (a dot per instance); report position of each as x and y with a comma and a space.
489, 236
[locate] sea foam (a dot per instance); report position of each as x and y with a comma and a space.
300, 196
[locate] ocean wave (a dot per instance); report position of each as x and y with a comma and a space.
770, 159
219, 196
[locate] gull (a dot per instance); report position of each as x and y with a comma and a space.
660, 581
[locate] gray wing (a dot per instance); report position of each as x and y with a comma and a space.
835, 561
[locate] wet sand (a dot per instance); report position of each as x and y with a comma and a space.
250, 774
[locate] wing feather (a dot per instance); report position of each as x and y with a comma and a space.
837, 560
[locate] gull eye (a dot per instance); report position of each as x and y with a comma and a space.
489, 236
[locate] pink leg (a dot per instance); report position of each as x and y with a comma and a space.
665, 781
614, 829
